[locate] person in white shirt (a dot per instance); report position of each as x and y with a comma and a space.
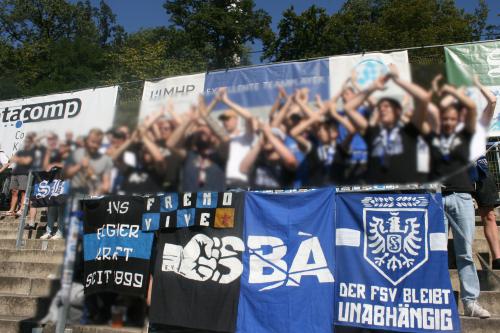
240, 140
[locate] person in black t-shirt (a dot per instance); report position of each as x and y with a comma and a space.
392, 144
450, 149
327, 157
270, 164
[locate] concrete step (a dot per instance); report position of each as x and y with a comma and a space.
29, 286
96, 329
479, 223
14, 324
31, 256
478, 233
486, 280
27, 234
490, 300
30, 269
34, 244
26, 306
475, 325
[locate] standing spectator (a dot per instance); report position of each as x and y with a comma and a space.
23, 160
486, 193
269, 163
4, 177
450, 151
54, 158
392, 144
327, 156
240, 140
88, 169
203, 153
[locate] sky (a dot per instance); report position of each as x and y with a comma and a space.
136, 14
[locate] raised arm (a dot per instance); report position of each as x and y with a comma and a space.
467, 102
301, 98
174, 141
491, 102
281, 94
151, 147
244, 113
287, 157
421, 96
280, 116
358, 120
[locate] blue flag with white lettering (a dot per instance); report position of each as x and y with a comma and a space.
287, 283
392, 263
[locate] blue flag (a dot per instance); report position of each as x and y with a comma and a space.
392, 263
287, 283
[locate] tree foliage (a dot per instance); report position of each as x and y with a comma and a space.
219, 28
369, 25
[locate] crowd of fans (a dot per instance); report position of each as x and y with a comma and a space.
433, 135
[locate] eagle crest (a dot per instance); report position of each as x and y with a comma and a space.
394, 243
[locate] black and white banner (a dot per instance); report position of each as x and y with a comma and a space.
116, 251
49, 188
198, 262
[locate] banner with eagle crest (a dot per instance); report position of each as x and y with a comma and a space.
392, 263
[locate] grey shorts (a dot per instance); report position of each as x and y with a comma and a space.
18, 182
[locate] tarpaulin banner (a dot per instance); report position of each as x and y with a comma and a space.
198, 259
392, 264
77, 111
182, 90
287, 283
256, 87
116, 251
368, 67
483, 60
49, 188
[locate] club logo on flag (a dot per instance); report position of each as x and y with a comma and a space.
395, 239
204, 258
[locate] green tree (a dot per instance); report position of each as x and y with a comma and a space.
53, 45
220, 29
370, 25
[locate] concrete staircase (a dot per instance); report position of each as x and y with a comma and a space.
29, 277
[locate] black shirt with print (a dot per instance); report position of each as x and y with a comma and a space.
449, 165
392, 158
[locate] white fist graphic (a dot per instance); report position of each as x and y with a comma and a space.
199, 259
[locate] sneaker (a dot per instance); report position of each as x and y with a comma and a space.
58, 235
474, 309
46, 236
30, 226
495, 264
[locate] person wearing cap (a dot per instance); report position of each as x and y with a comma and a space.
391, 143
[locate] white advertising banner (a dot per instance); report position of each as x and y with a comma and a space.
368, 67
77, 111
182, 90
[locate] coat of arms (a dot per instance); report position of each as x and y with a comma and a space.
395, 241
